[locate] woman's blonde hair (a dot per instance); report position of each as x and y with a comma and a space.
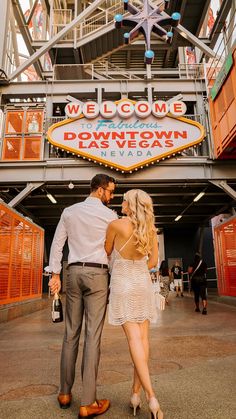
142, 217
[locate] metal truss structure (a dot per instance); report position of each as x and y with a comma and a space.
74, 51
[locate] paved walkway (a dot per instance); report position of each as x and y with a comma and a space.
193, 365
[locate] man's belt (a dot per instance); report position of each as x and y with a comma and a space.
90, 265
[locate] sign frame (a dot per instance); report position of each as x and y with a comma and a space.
119, 167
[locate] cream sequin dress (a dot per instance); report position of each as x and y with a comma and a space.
131, 291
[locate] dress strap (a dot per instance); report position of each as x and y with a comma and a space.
126, 243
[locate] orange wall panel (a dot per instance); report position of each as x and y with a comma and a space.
23, 136
231, 115
223, 116
225, 251
21, 257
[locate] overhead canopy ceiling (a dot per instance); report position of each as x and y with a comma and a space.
170, 199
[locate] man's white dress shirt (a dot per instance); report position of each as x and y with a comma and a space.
85, 225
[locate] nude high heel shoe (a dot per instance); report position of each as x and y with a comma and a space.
135, 402
154, 407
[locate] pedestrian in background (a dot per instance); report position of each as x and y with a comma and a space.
164, 278
153, 273
177, 276
197, 271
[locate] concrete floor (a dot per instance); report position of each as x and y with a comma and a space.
193, 365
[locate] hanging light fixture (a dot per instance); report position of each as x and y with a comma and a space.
58, 111
51, 198
199, 196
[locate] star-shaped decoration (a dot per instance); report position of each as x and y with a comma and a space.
146, 21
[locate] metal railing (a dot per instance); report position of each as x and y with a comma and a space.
73, 72
102, 18
61, 17
111, 71
224, 47
53, 120
102, 68
191, 71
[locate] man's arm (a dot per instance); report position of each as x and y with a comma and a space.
55, 283
56, 255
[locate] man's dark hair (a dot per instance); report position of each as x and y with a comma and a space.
100, 180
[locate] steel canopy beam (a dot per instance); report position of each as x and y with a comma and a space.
224, 185
220, 21
25, 192
23, 26
203, 17
65, 169
5, 13
55, 39
186, 86
195, 41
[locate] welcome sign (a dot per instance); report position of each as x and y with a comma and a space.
126, 135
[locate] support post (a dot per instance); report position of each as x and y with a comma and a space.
195, 41
5, 13
25, 192
224, 185
14, 41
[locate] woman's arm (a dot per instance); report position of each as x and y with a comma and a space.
153, 258
110, 237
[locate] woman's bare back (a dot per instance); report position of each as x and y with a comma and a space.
125, 230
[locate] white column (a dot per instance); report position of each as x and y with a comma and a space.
4, 27
161, 248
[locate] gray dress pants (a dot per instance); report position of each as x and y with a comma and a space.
86, 296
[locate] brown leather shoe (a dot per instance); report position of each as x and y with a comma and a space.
64, 400
94, 409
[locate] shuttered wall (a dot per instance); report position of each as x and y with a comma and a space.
225, 250
21, 257
223, 120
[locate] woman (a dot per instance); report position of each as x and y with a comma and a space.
197, 271
133, 241
164, 276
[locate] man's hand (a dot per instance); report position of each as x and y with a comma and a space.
55, 283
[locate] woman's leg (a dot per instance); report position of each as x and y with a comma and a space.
167, 284
196, 291
144, 328
203, 295
134, 333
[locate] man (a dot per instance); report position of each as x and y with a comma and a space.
84, 225
177, 276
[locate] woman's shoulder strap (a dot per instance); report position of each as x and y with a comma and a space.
127, 241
